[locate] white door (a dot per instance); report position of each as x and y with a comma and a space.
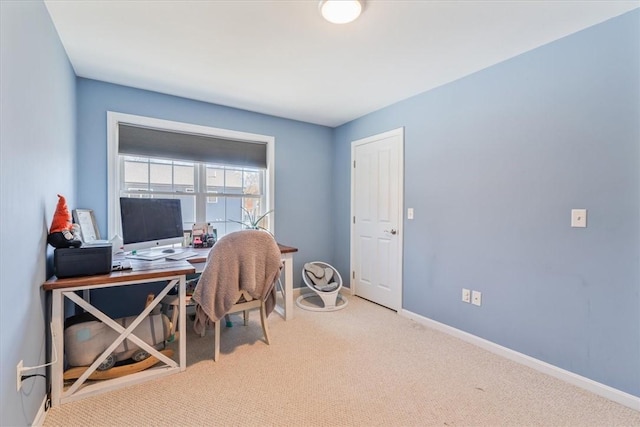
376, 223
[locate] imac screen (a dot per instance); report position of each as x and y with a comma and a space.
149, 223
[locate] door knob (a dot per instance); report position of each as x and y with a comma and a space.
393, 231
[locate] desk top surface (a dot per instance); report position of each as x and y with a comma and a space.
142, 270
175, 268
204, 252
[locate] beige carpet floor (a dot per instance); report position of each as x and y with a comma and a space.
361, 366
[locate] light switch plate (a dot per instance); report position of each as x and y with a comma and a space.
410, 213
579, 218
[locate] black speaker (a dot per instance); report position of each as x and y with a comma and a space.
83, 261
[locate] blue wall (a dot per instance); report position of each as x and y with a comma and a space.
494, 163
303, 162
37, 160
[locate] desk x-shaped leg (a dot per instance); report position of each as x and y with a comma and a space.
58, 395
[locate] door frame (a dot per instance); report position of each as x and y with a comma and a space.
400, 236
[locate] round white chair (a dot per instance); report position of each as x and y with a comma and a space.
325, 282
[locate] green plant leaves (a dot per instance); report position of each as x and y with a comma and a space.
252, 222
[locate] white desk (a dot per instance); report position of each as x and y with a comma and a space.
176, 275
66, 288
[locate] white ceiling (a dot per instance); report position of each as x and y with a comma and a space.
281, 58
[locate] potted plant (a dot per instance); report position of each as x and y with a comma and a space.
252, 220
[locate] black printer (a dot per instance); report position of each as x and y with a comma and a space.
87, 260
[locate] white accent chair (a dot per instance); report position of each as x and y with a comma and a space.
240, 275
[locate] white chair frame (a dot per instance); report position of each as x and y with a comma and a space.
245, 307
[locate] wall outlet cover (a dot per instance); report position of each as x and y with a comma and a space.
466, 295
476, 298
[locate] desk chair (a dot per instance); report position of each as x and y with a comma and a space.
239, 275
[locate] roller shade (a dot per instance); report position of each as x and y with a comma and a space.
148, 142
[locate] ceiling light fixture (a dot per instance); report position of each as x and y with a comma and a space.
341, 11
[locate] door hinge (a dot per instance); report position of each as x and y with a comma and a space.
354, 164
354, 219
353, 274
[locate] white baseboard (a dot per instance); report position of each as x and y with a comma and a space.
42, 414
605, 391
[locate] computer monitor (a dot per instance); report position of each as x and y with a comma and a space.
150, 223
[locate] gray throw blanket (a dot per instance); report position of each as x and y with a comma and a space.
247, 260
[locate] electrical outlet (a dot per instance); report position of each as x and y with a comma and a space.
466, 295
19, 375
476, 298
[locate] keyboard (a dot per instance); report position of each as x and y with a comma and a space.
156, 265
147, 256
181, 255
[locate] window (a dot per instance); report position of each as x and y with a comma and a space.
215, 199
156, 158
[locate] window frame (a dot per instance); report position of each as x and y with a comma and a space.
113, 164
